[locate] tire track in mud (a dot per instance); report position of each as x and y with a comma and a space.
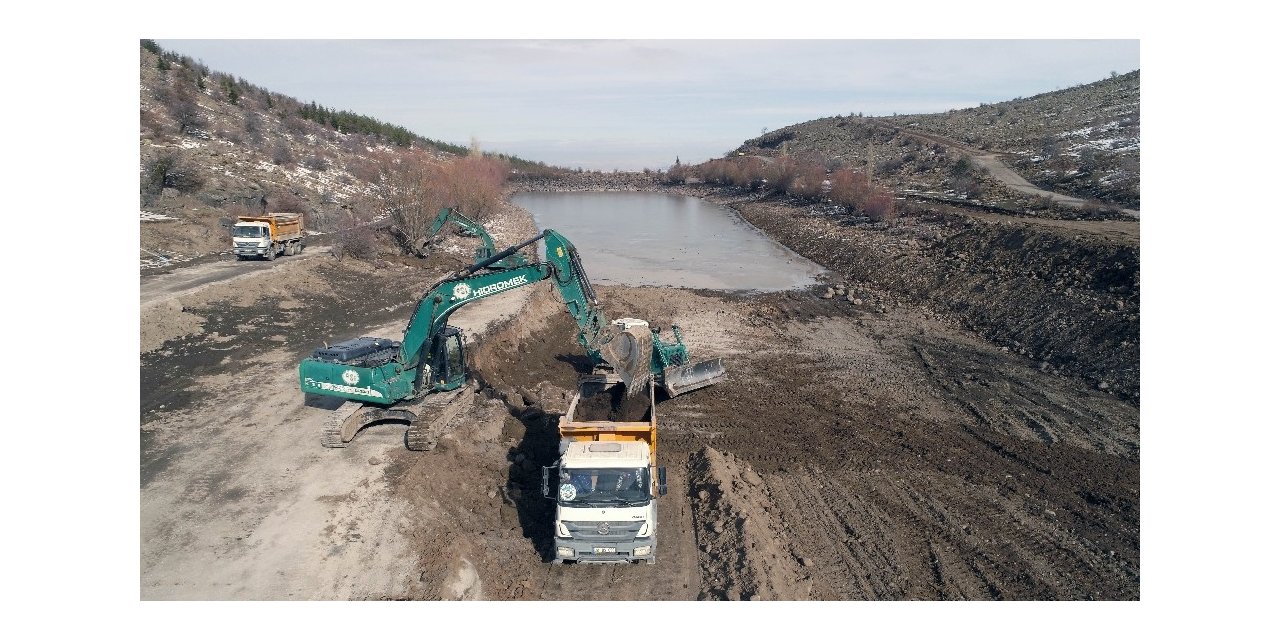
1008, 405
837, 535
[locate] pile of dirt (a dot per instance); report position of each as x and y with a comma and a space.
744, 551
613, 403
461, 486
165, 321
514, 364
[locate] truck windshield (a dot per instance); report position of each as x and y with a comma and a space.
589, 487
248, 232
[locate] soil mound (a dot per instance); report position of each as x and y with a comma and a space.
745, 552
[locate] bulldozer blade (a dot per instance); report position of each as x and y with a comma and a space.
686, 378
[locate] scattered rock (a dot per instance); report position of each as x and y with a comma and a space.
718, 527
375, 461
828, 294
807, 562
1103, 385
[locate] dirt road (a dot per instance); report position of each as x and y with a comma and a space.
1000, 171
855, 454
189, 280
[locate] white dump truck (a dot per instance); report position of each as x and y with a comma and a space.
606, 481
267, 236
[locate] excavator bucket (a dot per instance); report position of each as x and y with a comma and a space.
685, 378
629, 351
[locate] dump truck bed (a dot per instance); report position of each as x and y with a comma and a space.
598, 398
284, 226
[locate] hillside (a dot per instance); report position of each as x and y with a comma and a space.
1083, 141
212, 146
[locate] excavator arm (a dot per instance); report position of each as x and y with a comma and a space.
475, 229
575, 289
627, 348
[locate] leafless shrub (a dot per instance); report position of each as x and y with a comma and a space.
295, 125
171, 170
282, 154
412, 191
316, 162
879, 206
474, 184
356, 240
149, 124
967, 184
183, 107
286, 202
677, 174
849, 188
253, 127
780, 173
890, 165
808, 181
365, 170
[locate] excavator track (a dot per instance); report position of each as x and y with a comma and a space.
345, 422
332, 436
425, 431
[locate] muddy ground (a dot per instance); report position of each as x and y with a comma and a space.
870, 450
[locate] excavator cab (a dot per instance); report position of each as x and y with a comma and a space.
448, 361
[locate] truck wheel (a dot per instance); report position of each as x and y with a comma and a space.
271, 252
288, 249
301, 247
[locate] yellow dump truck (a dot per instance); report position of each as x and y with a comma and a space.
607, 480
267, 236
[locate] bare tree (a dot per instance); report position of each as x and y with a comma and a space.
182, 105
411, 194
474, 184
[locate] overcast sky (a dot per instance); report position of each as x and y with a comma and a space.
630, 104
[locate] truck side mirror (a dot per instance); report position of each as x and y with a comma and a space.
662, 481
546, 482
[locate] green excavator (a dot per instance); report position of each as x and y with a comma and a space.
382, 380
471, 229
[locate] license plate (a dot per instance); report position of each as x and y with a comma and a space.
605, 550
